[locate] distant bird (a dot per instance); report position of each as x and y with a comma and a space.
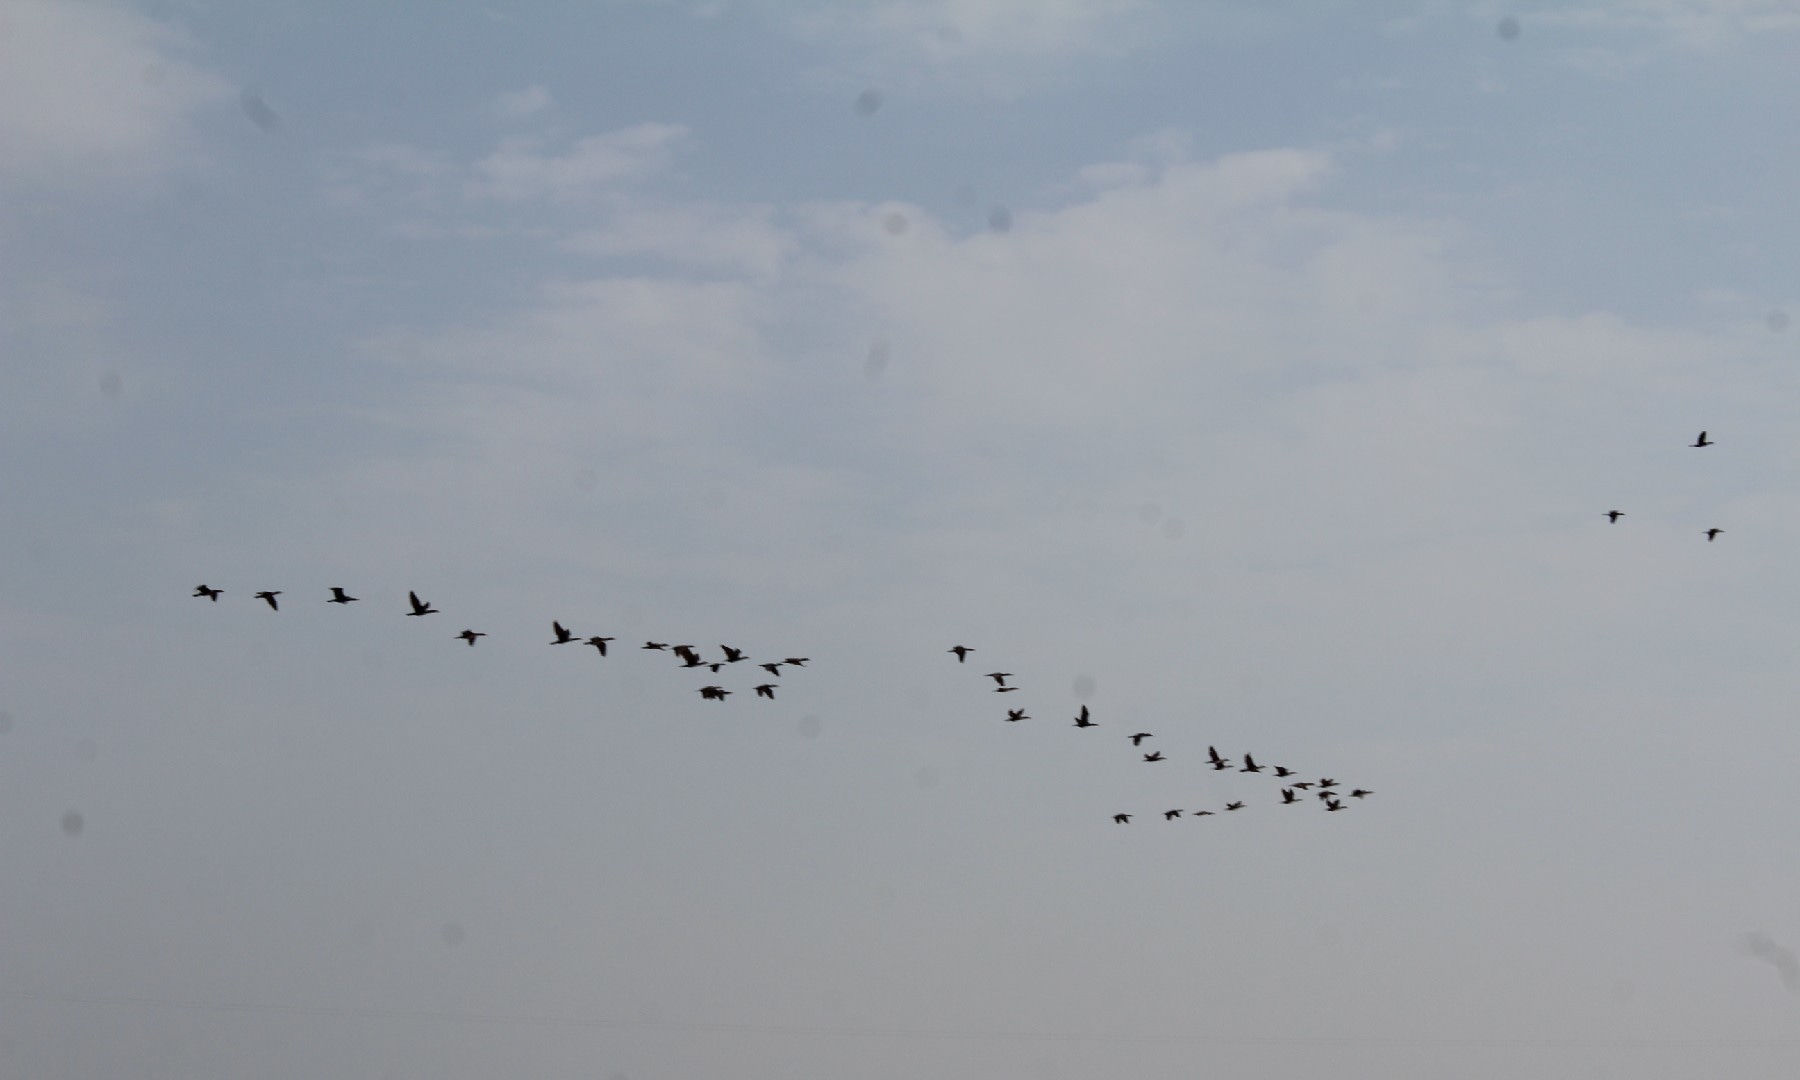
797, 661
1016, 715
1288, 796
1712, 533
1304, 786
269, 596
1121, 819
999, 677
1203, 813
1359, 793
773, 669
1157, 756
419, 607
962, 653
598, 642
714, 693
1327, 781
1614, 516
656, 645
1327, 796
732, 655
1138, 739
338, 597
1333, 804
1250, 765
1218, 762
1222, 765
1283, 770
1081, 718
686, 652
1234, 806
1004, 689
716, 665
767, 690
470, 636
1702, 440
210, 594
1171, 815
690, 660
563, 634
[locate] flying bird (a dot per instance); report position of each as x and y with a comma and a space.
210, 594
1171, 815
1004, 689
1305, 785
1333, 804
1359, 793
598, 642
338, 596
767, 690
1081, 718
1614, 516
714, 693
1288, 796
1217, 761
797, 661
1121, 819
470, 636
1327, 781
656, 645
687, 653
1234, 806
1283, 770
1222, 765
1711, 534
1016, 715
1157, 756
1203, 813
563, 634
690, 660
999, 677
419, 607
1138, 739
1702, 440
773, 669
732, 655
269, 596
1250, 765
962, 653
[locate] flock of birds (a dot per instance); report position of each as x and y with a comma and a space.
1613, 516
1327, 792
689, 655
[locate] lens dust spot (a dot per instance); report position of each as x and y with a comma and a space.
111, 386
868, 103
73, 823
895, 223
257, 111
453, 934
926, 778
1000, 219
1174, 529
1777, 321
875, 364
1150, 513
1508, 28
810, 726
1084, 687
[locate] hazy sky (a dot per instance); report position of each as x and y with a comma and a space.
1255, 374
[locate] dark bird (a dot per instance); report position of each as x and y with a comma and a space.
210, 594
732, 655
1327, 781
1138, 739
269, 596
1222, 765
999, 677
1250, 765
716, 665
1212, 755
1157, 756
563, 634
1333, 804
1327, 796
1712, 533
1171, 815
690, 660
656, 645
338, 597
767, 690
598, 642
1081, 718
687, 653
797, 661
1304, 786
419, 607
1702, 440
714, 693
1283, 770
1234, 806
1016, 715
1614, 516
1004, 689
962, 653
470, 636
1288, 796
773, 669
1203, 813
1359, 793
1121, 819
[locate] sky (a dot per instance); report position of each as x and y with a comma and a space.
1256, 376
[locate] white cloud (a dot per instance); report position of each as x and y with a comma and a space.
94, 90
522, 169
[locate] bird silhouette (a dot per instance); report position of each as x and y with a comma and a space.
767, 690
1326, 796
732, 655
690, 660
419, 607
1203, 813
268, 596
1333, 804
1614, 516
1222, 765
1004, 689
1702, 440
655, 645
1327, 781
797, 661
1288, 796
1712, 534
1081, 718
1250, 765
210, 594
999, 677
1157, 756
714, 693
1303, 786
470, 636
773, 669
1359, 793
563, 634
338, 596
1217, 761
1234, 806
1171, 815
1016, 715
1121, 819
687, 653
1283, 770
962, 653
1138, 739
598, 642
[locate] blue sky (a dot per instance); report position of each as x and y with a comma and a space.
1258, 379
